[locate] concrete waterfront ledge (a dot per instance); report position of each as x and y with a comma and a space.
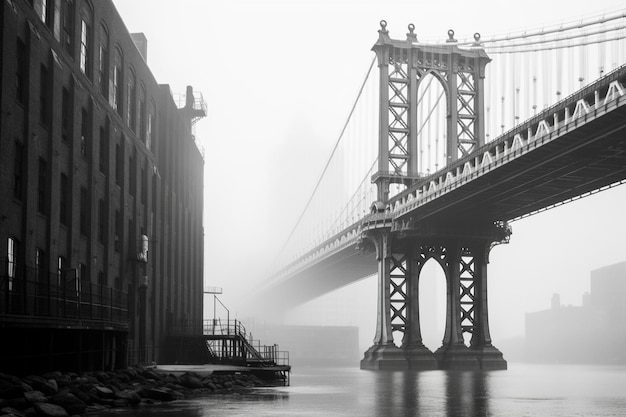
68, 394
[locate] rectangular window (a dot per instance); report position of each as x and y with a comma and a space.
84, 133
64, 200
103, 62
41, 7
61, 266
12, 248
66, 114
18, 169
68, 26
83, 273
101, 221
144, 184
84, 225
118, 231
142, 116
131, 105
132, 177
40, 265
20, 72
149, 130
42, 187
44, 96
117, 89
154, 192
102, 156
119, 165
85, 64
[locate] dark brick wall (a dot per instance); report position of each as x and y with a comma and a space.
168, 211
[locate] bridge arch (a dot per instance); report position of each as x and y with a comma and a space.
432, 303
433, 110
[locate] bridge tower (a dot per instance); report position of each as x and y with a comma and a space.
402, 248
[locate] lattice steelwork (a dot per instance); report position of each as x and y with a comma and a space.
467, 293
398, 293
466, 100
398, 114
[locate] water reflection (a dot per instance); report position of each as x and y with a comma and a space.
467, 393
397, 393
450, 393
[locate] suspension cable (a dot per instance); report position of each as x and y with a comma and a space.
542, 31
556, 46
558, 39
332, 154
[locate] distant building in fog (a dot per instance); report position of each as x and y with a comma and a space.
101, 235
315, 345
592, 333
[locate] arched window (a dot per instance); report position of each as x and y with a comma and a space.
116, 82
67, 12
85, 38
103, 61
150, 127
142, 112
131, 98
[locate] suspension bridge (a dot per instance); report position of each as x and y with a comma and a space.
446, 144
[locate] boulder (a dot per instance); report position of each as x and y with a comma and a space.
52, 375
35, 397
159, 394
95, 409
103, 392
176, 395
63, 380
120, 403
19, 403
190, 381
83, 396
52, 386
69, 401
10, 390
50, 410
151, 375
30, 412
101, 376
10, 411
130, 396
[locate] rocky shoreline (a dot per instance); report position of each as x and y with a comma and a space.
57, 394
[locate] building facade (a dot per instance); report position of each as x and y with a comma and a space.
594, 332
102, 185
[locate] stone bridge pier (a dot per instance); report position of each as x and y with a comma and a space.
463, 257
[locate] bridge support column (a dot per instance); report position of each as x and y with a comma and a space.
489, 357
464, 260
466, 311
383, 354
454, 354
419, 357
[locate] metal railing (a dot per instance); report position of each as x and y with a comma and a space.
254, 350
32, 292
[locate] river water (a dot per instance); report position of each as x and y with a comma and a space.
523, 390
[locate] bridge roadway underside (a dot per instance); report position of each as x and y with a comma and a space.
343, 267
580, 161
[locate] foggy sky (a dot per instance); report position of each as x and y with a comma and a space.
279, 78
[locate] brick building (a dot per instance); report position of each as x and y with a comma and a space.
101, 236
